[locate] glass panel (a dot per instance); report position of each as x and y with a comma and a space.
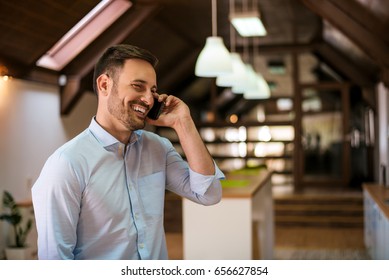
322, 133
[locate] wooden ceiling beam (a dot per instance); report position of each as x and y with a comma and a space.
346, 67
364, 17
83, 64
183, 68
374, 46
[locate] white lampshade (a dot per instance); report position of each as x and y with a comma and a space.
214, 59
246, 82
238, 72
260, 91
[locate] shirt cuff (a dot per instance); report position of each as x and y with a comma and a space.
200, 183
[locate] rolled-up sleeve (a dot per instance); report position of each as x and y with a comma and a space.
207, 188
199, 188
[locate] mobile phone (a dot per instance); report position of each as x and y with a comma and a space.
155, 110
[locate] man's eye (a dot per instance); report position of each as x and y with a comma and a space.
137, 86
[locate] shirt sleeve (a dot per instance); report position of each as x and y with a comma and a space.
203, 189
56, 199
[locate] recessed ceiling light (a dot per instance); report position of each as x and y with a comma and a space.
248, 24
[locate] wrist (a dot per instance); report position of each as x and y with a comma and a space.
183, 125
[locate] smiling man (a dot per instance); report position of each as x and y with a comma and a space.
101, 195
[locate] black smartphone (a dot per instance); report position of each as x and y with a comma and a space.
155, 110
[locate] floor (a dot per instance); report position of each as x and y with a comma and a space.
292, 242
302, 243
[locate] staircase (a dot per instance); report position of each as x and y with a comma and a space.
328, 210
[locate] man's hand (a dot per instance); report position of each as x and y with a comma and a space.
174, 112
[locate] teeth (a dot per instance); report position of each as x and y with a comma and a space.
139, 109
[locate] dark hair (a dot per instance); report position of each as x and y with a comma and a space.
114, 58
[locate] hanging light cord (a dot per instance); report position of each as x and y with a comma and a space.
245, 39
214, 18
232, 30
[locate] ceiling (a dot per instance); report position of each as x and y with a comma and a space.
349, 36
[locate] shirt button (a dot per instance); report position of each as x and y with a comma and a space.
141, 245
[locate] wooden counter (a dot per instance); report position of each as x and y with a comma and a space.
239, 227
380, 195
376, 219
245, 184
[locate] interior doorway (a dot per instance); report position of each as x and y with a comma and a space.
324, 150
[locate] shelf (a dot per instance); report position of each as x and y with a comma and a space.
244, 123
252, 157
226, 141
247, 141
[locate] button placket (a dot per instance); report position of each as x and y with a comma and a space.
131, 175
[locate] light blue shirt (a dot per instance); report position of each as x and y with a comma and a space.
97, 198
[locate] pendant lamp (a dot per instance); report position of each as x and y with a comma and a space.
238, 73
214, 59
238, 67
261, 91
247, 82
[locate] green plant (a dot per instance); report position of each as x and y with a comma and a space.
14, 217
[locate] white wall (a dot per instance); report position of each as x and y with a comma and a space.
383, 122
31, 128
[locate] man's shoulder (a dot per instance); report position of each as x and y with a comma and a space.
77, 145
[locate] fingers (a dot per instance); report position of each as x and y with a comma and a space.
166, 99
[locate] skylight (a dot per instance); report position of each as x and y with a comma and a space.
83, 33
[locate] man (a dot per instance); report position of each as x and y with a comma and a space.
101, 195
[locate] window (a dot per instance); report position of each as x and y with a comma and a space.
83, 33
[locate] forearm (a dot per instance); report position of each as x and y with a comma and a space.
194, 148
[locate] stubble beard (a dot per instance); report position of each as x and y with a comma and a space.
122, 113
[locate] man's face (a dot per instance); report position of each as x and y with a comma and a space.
132, 94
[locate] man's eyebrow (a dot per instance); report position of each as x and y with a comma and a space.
139, 81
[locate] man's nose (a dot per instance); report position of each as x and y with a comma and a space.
148, 98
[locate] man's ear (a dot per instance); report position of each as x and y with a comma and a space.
103, 84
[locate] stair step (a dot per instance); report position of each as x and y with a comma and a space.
315, 200
316, 207
319, 211
319, 221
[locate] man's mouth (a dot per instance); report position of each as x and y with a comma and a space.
140, 110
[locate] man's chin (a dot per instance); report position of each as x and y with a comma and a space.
132, 126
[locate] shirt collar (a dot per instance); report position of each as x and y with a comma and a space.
105, 138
